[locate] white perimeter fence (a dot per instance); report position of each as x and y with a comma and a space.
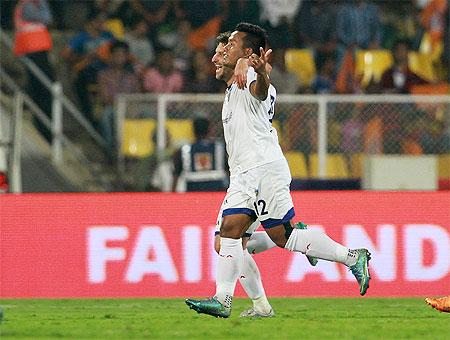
323, 136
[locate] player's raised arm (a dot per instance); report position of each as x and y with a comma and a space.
241, 69
259, 88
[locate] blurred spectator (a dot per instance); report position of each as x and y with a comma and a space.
200, 13
7, 13
110, 7
205, 19
200, 77
154, 12
373, 134
358, 26
433, 20
400, 20
167, 32
200, 166
163, 77
446, 53
182, 49
57, 9
399, 78
236, 11
284, 80
316, 27
346, 79
352, 136
435, 139
87, 54
155, 172
277, 17
325, 80
410, 144
140, 45
33, 40
117, 78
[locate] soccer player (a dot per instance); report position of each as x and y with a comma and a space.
250, 277
441, 304
260, 177
254, 241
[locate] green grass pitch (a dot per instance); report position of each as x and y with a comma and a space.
302, 318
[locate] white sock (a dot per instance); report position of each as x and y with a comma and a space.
250, 280
262, 305
259, 242
317, 244
229, 266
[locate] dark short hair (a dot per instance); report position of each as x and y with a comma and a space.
137, 20
94, 15
201, 127
402, 41
118, 44
255, 37
222, 38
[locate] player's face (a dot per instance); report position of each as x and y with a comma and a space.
217, 60
234, 49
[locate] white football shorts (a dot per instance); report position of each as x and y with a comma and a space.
262, 193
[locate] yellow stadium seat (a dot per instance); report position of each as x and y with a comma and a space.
335, 163
357, 160
181, 131
115, 26
297, 164
137, 137
422, 65
276, 124
301, 62
371, 64
427, 47
444, 166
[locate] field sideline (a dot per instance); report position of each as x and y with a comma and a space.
306, 318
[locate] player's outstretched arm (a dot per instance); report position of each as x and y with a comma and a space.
260, 88
241, 69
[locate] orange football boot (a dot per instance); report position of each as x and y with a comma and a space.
441, 304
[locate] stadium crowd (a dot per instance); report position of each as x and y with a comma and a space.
165, 46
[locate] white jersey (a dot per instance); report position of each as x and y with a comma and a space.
251, 141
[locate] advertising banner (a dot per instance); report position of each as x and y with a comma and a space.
161, 245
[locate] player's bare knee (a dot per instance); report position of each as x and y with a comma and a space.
229, 230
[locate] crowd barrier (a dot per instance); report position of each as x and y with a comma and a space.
160, 245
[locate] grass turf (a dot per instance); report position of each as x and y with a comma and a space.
332, 318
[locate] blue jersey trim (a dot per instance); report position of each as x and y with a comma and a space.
235, 211
216, 233
273, 222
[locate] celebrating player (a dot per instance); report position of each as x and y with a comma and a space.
250, 277
260, 177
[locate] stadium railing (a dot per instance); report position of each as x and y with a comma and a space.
61, 105
330, 134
